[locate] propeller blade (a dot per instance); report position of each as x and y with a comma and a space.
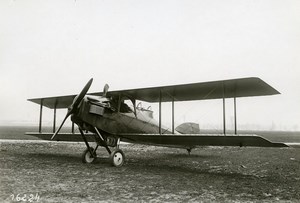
61, 125
80, 96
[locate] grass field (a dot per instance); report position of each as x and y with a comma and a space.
54, 172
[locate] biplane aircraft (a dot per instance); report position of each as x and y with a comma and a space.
104, 117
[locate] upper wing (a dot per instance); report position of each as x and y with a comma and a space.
243, 87
193, 140
59, 102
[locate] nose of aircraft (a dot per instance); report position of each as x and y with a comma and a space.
74, 105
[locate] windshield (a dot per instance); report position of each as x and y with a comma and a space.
124, 108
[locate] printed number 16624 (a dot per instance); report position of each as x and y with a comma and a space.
25, 197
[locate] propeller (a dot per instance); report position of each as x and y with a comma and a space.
74, 105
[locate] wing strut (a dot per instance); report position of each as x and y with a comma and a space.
54, 117
224, 114
41, 115
159, 119
173, 130
235, 119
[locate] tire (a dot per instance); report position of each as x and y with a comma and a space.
117, 158
86, 156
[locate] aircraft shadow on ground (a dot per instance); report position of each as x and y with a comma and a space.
57, 157
166, 163
187, 170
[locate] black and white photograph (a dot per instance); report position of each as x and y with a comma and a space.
149, 101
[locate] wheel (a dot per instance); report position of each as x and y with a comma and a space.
87, 157
117, 158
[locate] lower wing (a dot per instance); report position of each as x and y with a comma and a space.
171, 140
194, 140
67, 137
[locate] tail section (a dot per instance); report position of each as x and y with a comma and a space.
188, 128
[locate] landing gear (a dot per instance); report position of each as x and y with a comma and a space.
87, 157
117, 158
189, 150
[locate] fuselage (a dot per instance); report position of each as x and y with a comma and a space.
116, 117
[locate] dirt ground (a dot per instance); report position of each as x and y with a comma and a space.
54, 171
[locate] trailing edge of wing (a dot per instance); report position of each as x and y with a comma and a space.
243, 87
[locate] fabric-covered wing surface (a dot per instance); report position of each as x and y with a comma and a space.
59, 102
171, 140
243, 87
193, 140
65, 137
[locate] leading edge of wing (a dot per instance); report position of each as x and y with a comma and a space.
194, 140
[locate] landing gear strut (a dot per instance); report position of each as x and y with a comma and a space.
117, 156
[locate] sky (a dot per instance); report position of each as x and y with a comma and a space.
51, 48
